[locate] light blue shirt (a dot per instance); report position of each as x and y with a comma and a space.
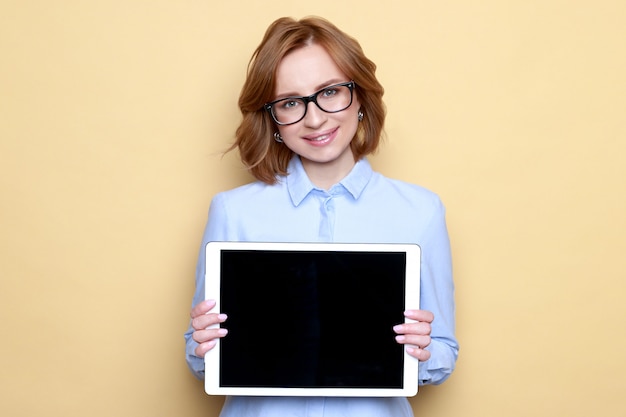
364, 207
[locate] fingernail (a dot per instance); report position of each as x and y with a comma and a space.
397, 328
222, 332
222, 316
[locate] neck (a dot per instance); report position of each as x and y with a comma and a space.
325, 175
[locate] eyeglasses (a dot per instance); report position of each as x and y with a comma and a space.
331, 99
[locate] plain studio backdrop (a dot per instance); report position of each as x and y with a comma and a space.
113, 115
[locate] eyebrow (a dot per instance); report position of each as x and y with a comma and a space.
332, 81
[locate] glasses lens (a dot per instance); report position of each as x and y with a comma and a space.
334, 99
289, 110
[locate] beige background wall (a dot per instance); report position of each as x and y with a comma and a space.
112, 117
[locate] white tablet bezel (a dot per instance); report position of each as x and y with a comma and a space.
412, 294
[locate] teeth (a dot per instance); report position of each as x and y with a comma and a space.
320, 138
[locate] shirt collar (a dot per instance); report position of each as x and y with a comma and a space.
299, 185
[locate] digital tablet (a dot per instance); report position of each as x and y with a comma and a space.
311, 319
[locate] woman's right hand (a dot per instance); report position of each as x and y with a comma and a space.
201, 319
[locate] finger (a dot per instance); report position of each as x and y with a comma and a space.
416, 341
203, 348
419, 328
420, 354
204, 336
202, 307
207, 339
207, 320
420, 315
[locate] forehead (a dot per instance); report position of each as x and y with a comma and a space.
305, 70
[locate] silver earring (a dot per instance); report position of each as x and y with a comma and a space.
360, 115
277, 137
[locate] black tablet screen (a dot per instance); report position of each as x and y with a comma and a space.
312, 319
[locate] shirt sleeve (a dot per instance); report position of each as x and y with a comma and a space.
437, 296
215, 230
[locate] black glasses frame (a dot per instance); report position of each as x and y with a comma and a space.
310, 99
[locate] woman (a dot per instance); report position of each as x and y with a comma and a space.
312, 110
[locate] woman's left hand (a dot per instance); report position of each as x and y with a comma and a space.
415, 335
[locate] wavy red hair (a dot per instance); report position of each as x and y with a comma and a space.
259, 152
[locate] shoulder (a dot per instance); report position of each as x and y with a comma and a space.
396, 190
247, 195
243, 190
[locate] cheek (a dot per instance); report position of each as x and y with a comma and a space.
289, 135
351, 121
285, 131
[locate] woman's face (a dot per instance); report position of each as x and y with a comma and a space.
321, 139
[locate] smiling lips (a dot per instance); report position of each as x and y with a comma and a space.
322, 139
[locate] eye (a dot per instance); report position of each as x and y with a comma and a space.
329, 92
289, 104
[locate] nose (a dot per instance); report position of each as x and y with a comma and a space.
314, 117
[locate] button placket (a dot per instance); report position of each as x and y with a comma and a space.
327, 219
